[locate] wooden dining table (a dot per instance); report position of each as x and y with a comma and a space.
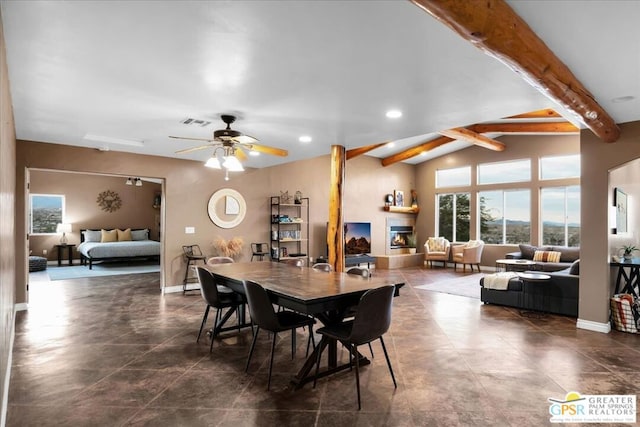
323, 295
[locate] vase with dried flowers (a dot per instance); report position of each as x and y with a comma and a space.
231, 248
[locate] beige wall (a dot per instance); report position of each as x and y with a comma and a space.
189, 185
598, 159
518, 147
82, 211
7, 224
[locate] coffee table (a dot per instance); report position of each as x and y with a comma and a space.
514, 264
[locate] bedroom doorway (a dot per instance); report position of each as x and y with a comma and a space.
131, 202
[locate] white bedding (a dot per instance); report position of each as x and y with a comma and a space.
134, 248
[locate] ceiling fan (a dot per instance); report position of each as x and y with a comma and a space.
231, 143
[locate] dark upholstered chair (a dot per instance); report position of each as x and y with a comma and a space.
264, 317
259, 250
372, 320
192, 255
218, 300
322, 266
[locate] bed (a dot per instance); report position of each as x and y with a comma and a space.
129, 244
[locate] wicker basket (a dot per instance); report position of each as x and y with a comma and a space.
625, 313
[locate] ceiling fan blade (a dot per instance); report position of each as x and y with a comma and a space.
268, 150
245, 139
192, 139
240, 154
189, 150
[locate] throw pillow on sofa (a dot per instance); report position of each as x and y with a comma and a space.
547, 256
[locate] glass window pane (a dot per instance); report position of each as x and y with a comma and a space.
445, 216
518, 216
462, 217
560, 215
47, 211
491, 218
455, 177
559, 167
501, 172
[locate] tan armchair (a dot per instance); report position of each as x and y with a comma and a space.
469, 253
436, 249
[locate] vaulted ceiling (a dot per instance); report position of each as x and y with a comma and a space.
125, 75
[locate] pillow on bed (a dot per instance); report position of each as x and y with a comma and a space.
140, 234
92, 236
124, 235
109, 236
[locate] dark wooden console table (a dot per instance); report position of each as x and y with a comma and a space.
631, 282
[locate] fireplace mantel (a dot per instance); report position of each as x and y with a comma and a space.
402, 209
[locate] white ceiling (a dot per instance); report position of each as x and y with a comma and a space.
327, 69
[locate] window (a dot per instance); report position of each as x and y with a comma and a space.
45, 213
453, 216
559, 167
505, 216
560, 216
502, 172
456, 177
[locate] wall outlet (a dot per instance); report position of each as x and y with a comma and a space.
44, 252
189, 230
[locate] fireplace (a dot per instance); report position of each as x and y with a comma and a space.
396, 235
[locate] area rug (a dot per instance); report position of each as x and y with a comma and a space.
466, 286
105, 269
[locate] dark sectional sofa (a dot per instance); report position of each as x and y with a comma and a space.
559, 295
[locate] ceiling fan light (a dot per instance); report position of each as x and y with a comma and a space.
213, 163
232, 164
138, 182
129, 181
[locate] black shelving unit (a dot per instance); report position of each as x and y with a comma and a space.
289, 229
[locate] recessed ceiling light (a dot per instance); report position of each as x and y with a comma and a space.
391, 145
254, 153
424, 153
623, 99
394, 114
305, 138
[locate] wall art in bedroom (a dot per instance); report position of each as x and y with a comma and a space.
109, 201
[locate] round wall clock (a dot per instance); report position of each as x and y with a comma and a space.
388, 199
109, 201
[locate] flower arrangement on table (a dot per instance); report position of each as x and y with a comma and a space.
231, 248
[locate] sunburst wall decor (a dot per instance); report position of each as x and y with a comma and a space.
109, 201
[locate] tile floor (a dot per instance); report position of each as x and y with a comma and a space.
113, 351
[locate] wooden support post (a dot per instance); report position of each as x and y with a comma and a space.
335, 229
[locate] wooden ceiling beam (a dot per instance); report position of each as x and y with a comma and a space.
530, 127
474, 138
414, 151
495, 28
547, 113
355, 152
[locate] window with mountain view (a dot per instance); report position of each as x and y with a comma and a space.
503, 172
45, 213
560, 215
453, 216
505, 216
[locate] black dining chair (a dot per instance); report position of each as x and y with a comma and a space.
259, 250
218, 297
264, 317
192, 254
351, 311
372, 320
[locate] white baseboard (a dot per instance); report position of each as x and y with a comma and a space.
589, 325
7, 378
22, 306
